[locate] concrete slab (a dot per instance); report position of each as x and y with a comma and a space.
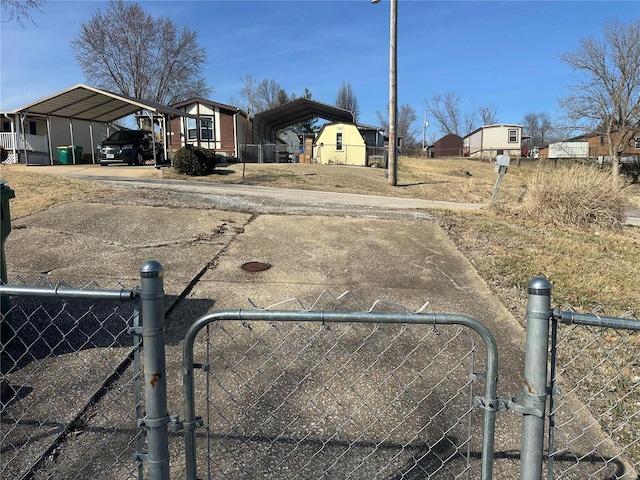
82, 242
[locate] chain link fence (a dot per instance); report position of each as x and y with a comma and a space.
595, 379
305, 393
70, 376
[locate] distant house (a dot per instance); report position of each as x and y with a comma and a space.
340, 143
599, 147
212, 125
491, 140
450, 145
373, 136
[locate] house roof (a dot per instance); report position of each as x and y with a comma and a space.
326, 125
83, 102
204, 101
266, 124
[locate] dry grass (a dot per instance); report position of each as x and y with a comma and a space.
454, 180
36, 191
581, 197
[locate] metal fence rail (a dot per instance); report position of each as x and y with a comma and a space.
300, 394
72, 403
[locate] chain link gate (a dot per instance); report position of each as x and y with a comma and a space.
320, 394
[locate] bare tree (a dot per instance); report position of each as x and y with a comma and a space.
20, 10
405, 123
447, 112
126, 50
451, 118
606, 98
539, 127
488, 115
346, 99
261, 96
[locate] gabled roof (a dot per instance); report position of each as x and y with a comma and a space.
83, 102
266, 124
204, 101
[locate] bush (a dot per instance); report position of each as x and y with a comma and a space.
3, 154
581, 197
195, 161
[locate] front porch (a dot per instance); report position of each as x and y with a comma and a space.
26, 148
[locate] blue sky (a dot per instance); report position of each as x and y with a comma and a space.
501, 53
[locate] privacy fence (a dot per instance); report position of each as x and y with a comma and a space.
273, 393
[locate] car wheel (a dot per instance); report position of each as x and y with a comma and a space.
104, 164
139, 159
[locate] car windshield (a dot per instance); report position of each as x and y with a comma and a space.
125, 136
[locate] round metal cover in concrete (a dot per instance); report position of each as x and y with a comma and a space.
255, 266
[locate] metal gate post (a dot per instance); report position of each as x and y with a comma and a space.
534, 394
157, 416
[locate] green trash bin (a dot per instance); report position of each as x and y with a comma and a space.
6, 194
77, 151
65, 155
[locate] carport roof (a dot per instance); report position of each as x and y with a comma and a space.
83, 102
266, 124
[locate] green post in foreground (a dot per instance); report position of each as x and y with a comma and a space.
6, 194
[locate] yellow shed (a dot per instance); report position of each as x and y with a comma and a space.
341, 144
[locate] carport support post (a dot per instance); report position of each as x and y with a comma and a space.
534, 396
155, 382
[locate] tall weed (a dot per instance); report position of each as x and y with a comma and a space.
582, 197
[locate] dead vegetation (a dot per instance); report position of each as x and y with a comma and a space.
582, 197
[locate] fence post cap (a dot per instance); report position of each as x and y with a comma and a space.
539, 285
151, 268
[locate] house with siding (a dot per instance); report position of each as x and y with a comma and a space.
341, 144
599, 147
491, 140
215, 126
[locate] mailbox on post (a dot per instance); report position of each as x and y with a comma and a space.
502, 163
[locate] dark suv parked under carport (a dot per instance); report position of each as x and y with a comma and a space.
132, 147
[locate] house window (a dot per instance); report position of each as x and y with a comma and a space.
6, 127
339, 141
192, 131
206, 128
513, 135
637, 140
32, 128
602, 141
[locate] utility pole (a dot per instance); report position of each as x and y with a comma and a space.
393, 93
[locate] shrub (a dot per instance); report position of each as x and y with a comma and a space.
3, 154
581, 197
195, 162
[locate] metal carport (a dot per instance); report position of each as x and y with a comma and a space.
266, 124
82, 102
